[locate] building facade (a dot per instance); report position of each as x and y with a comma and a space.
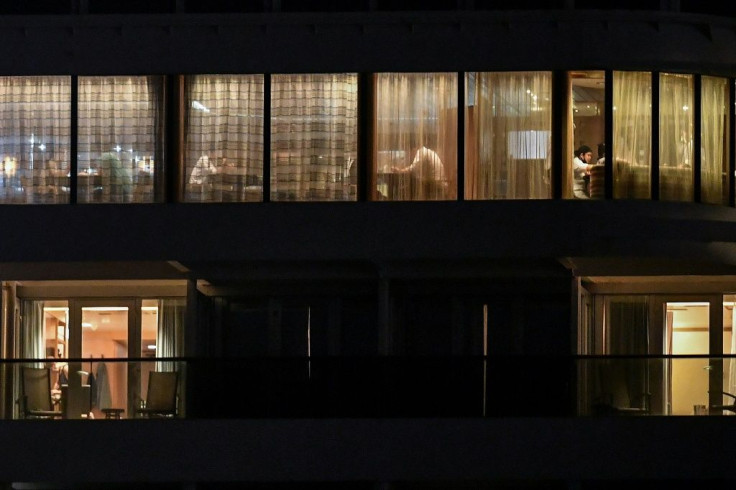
449, 245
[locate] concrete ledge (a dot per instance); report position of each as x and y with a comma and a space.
352, 450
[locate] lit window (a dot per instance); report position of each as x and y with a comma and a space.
314, 137
224, 138
120, 138
415, 144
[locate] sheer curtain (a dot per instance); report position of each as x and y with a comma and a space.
508, 126
731, 384
714, 134
676, 137
33, 345
170, 331
627, 333
34, 122
415, 143
632, 135
120, 138
224, 127
314, 136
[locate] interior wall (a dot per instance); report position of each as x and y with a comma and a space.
689, 376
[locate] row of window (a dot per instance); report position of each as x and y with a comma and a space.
102, 139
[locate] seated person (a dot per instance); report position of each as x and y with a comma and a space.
580, 171
62, 380
601, 154
202, 170
427, 173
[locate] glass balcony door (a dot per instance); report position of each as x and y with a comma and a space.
691, 325
665, 353
101, 331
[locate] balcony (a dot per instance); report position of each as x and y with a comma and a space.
385, 387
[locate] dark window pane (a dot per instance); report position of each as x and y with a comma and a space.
131, 7
323, 5
518, 4
707, 7
618, 4
203, 6
405, 5
44, 7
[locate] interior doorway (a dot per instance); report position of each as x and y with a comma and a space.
667, 348
687, 332
100, 331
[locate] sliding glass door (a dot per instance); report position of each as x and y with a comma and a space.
100, 331
660, 354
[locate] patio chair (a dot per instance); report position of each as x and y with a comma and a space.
161, 396
729, 408
36, 394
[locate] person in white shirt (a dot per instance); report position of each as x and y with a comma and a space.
580, 169
428, 174
202, 170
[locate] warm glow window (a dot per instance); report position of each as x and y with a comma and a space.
120, 139
508, 124
223, 151
314, 137
34, 139
676, 132
585, 144
714, 172
415, 143
632, 135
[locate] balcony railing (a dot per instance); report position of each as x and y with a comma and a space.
374, 387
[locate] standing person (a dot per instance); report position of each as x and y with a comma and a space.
120, 177
581, 169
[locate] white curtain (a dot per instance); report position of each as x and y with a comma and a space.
314, 136
676, 137
632, 134
32, 339
414, 112
714, 134
170, 333
34, 122
120, 138
508, 126
224, 123
731, 385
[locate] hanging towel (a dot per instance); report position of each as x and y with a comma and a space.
104, 399
92, 390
